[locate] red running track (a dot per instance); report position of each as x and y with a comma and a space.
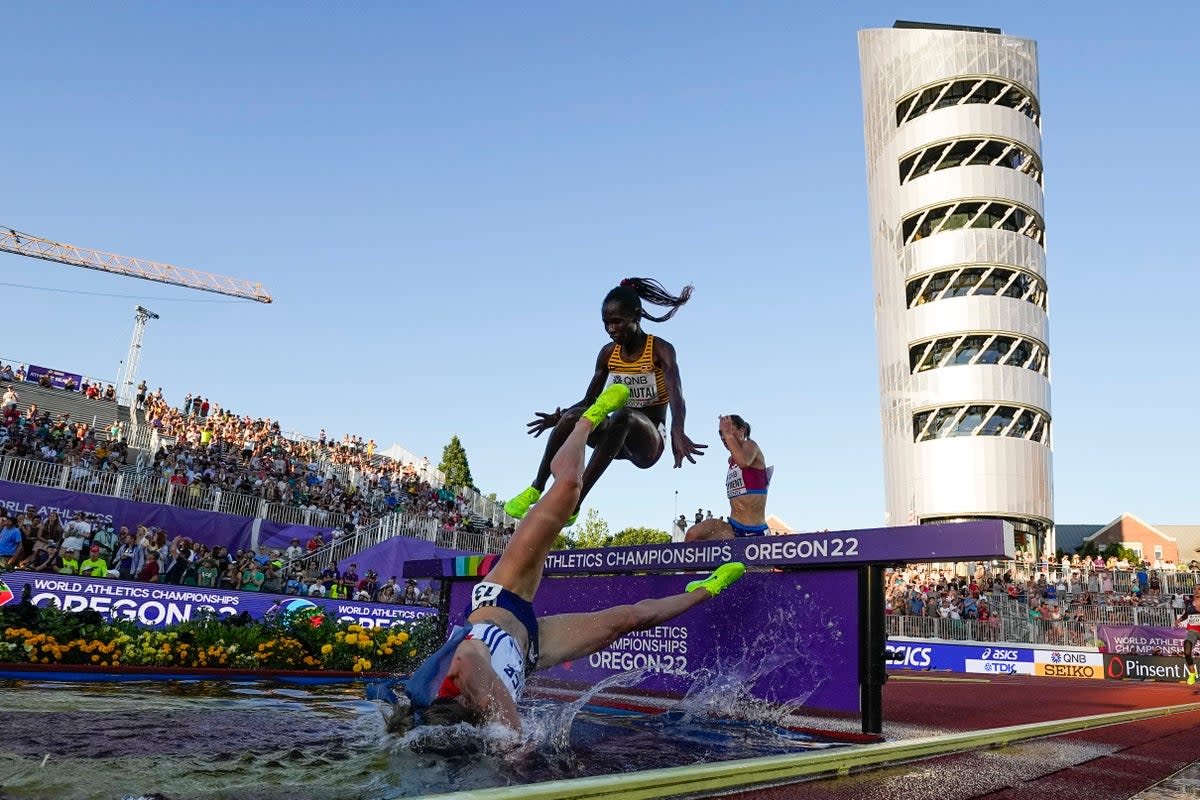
1110, 763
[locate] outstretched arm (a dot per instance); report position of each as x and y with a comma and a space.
681, 445
544, 422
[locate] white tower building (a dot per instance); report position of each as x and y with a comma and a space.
954, 170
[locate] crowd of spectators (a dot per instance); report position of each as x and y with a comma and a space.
38, 435
203, 446
1066, 589
86, 386
217, 448
87, 545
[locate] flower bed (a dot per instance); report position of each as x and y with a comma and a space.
305, 640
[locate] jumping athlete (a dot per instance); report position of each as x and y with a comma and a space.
1190, 618
479, 674
746, 485
646, 364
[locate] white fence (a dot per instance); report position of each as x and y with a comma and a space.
410, 526
993, 630
149, 487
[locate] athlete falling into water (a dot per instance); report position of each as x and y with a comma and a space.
637, 432
479, 674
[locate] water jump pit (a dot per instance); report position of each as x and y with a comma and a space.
775, 682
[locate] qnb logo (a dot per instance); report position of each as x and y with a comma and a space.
1068, 658
999, 654
902, 656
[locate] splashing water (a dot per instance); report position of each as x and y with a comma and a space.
726, 691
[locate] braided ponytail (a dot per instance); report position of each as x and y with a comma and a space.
632, 291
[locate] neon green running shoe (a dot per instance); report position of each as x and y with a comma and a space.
571, 520
722, 577
518, 507
612, 398
1191, 678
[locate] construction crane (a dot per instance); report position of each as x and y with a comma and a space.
26, 244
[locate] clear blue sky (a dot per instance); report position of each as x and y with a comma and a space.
439, 197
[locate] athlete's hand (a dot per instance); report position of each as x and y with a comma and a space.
544, 422
683, 447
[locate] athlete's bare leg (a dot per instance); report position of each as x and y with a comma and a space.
565, 637
520, 568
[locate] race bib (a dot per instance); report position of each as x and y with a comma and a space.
1193, 621
643, 389
485, 594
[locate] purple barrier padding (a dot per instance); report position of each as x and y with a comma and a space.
278, 535
784, 637
1141, 640
388, 558
960, 541
209, 527
157, 605
58, 378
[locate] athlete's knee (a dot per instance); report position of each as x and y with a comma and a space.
708, 530
570, 416
621, 419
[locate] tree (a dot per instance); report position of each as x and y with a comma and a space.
593, 531
640, 536
455, 466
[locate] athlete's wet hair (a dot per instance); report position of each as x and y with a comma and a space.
632, 291
738, 422
443, 711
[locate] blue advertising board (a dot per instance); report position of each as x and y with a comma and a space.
156, 605
1001, 659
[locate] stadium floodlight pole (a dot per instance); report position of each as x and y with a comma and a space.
141, 316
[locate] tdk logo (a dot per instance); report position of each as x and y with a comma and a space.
905, 656
999, 654
1004, 669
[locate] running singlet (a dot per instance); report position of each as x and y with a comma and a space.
507, 660
1192, 616
646, 382
746, 480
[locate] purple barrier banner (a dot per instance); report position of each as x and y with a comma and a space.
1141, 640
58, 378
951, 542
209, 527
157, 605
781, 637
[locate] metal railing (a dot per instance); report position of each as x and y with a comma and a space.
151, 487
1050, 632
412, 526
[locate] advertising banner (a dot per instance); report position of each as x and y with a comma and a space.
1142, 640
1144, 668
1003, 659
58, 378
157, 605
949, 542
783, 637
983, 659
208, 527
1068, 664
